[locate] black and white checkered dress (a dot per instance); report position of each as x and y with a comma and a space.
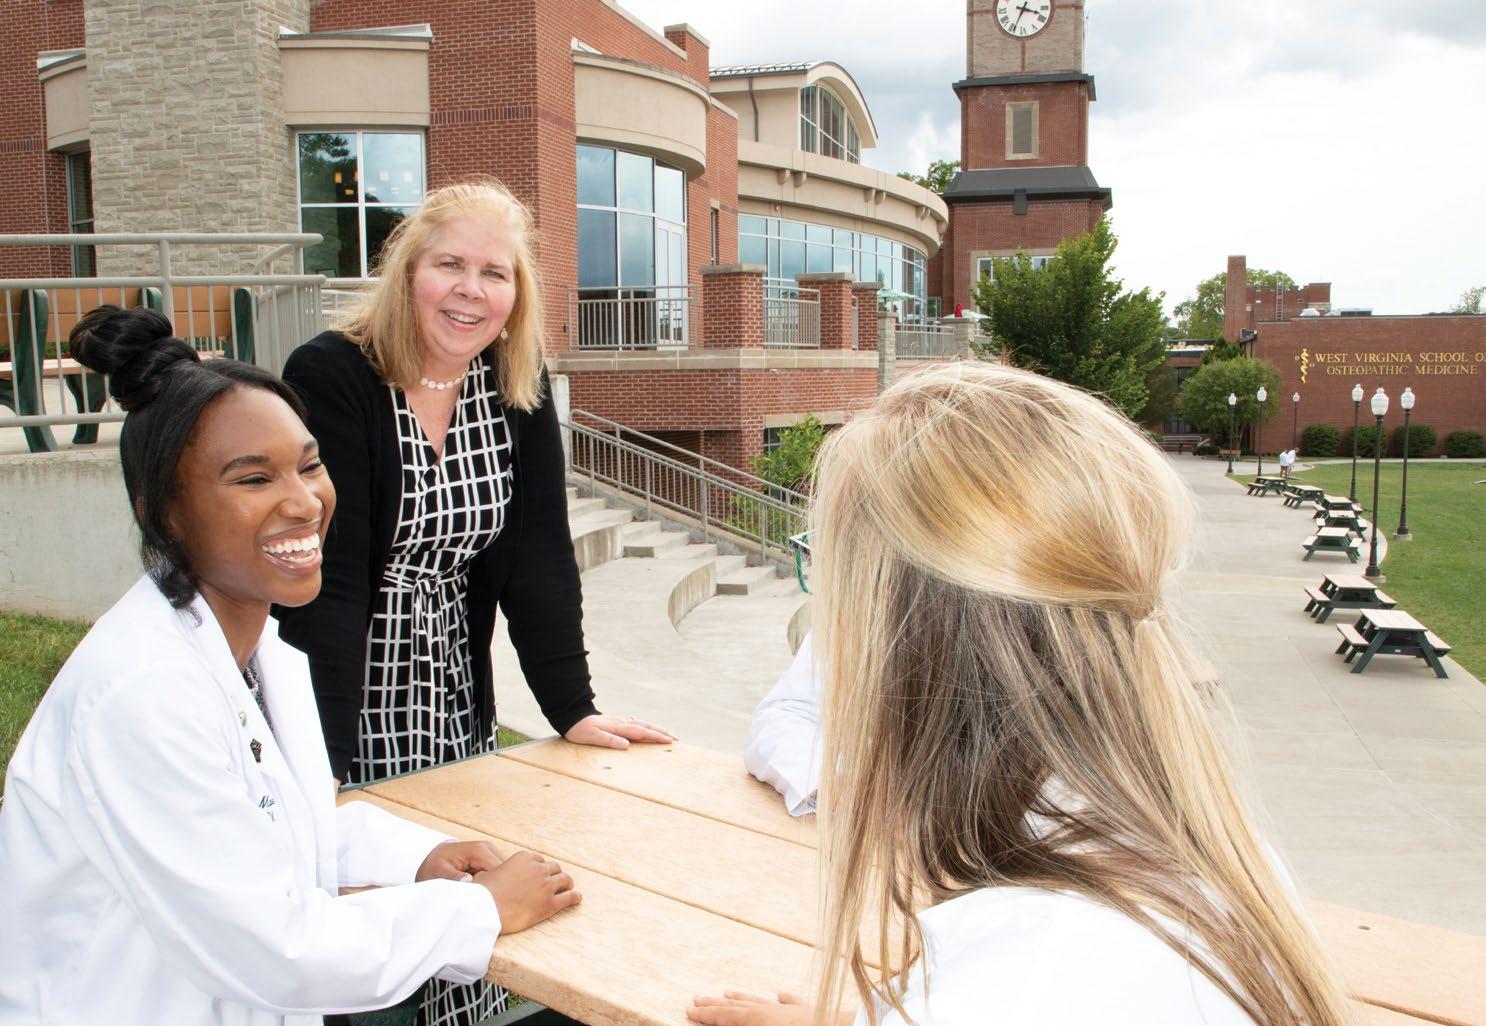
419, 706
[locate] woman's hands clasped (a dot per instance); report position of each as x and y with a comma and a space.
616, 732
526, 887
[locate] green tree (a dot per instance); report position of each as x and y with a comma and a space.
1470, 300
1204, 398
1071, 319
1201, 316
941, 173
793, 461
1223, 350
1161, 396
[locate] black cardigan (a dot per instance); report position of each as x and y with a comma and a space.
529, 571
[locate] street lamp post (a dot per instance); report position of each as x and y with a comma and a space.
1232, 427
1402, 534
1261, 395
1379, 407
1295, 422
1356, 409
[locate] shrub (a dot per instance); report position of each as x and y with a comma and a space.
1320, 440
1464, 445
1367, 441
1421, 440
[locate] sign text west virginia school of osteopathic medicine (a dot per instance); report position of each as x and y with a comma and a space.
1352, 364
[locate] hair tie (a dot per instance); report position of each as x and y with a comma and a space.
1152, 618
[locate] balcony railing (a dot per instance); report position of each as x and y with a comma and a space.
927, 340
791, 315
659, 317
257, 317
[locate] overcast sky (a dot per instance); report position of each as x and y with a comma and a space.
1337, 140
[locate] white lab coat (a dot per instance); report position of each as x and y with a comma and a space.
153, 871
784, 744
1043, 958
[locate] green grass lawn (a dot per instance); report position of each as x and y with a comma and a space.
1439, 577
32, 650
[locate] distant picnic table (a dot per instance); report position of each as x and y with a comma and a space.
694, 879
1333, 539
1262, 486
1344, 591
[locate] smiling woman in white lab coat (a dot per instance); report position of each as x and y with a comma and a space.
170, 850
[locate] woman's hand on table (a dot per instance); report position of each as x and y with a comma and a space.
458, 860
616, 732
739, 1008
528, 889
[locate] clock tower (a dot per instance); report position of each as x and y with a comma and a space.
1024, 181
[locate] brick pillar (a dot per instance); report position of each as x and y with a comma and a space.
887, 349
733, 306
1235, 298
835, 306
866, 297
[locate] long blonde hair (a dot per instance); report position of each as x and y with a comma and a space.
1007, 702
385, 323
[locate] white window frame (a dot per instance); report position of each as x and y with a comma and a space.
300, 206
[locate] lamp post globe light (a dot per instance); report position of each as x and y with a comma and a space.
1406, 402
1356, 409
1261, 395
1232, 426
1379, 407
1295, 422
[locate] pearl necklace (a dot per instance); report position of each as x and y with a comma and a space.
442, 386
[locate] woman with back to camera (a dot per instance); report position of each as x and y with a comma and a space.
431, 409
1026, 778
170, 850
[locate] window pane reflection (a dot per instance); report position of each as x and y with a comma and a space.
670, 194
596, 263
596, 176
327, 167
339, 254
636, 182
393, 167
379, 224
637, 250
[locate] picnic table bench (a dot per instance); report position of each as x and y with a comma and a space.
695, 879
1298, 495
1343, 518
1262, 486
1333, 539
1344, 591
1338, 502
1390, 632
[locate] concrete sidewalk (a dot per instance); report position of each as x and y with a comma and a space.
1373, 784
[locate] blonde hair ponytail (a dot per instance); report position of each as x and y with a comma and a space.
1009, 703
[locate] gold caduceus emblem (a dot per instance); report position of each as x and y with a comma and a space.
1304, 359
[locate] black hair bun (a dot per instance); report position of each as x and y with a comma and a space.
134, 347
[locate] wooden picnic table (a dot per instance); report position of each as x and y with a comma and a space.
1262, 486
1339, 502
1344, 591
1298, 495
1333, 539
1390, 632
1343, 518
695, 879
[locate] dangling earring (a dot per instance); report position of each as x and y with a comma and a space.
503, 335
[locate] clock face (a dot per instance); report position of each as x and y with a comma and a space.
1023, 18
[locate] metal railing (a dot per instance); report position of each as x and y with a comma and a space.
791, 315
659, 317
723, 503
257, 317
927, 340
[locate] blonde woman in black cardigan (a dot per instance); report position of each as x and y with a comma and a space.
430, 408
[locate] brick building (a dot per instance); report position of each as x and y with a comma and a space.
682, 212
1024, 182
1322, 353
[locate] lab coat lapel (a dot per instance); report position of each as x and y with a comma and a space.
296, 728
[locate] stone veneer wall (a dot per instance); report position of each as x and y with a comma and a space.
187, 122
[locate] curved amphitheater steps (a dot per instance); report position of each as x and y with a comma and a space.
663, 644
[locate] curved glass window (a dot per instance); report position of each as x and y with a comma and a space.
788, 248
632, 279
825, 127
354, 187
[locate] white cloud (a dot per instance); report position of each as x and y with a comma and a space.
1339, 140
